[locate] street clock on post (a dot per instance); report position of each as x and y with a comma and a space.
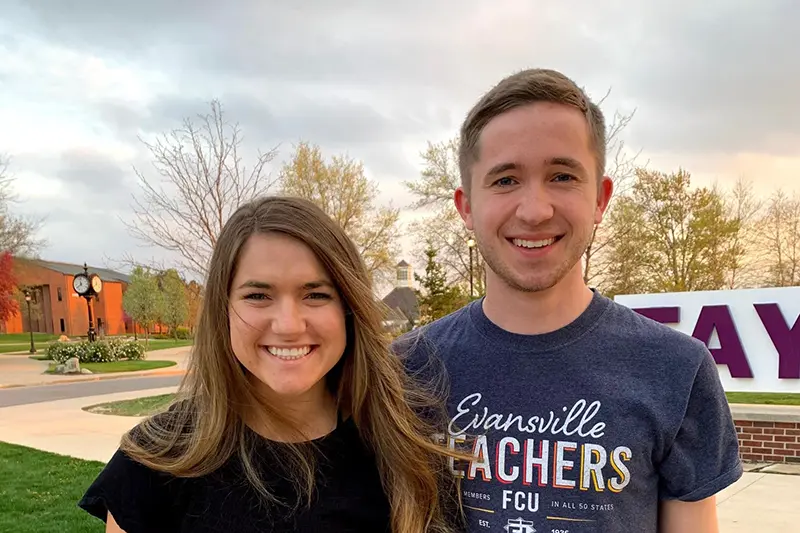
88, 286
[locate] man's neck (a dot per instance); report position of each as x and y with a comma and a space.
534, 313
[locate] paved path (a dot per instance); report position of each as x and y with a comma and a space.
47, 393
63, 427
760, 502
22, 371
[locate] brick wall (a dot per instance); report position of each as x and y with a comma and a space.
769, 442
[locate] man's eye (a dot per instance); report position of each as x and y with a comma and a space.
504, 182
564, 177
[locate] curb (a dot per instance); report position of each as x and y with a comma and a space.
97, 377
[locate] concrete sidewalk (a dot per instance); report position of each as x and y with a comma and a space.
63, 426
762, 500
22, 371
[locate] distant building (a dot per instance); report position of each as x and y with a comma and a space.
58, 309
402, 300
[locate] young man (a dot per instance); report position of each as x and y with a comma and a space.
582, 415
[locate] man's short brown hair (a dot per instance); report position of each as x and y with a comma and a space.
523, 88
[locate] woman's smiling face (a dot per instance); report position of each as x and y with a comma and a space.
287, 320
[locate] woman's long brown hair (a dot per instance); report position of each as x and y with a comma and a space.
370, 384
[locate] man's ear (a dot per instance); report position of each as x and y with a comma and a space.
461, 199
604, 192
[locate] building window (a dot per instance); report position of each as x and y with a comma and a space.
63, 329
59, 294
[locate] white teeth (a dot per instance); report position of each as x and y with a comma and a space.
534, 244
289, 353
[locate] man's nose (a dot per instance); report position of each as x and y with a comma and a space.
535, 205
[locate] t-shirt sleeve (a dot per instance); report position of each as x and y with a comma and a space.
137, 496
703, 458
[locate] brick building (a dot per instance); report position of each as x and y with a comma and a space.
56, 306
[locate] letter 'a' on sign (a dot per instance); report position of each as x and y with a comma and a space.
730, 351
786, 341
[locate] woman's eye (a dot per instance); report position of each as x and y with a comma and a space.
256, 296
320, 296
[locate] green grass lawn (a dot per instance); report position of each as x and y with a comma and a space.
120, 366
763, 398
21, 342
145, 406
162, 344
39, 491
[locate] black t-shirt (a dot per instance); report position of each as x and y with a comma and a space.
348, 495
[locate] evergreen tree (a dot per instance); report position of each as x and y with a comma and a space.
437, 297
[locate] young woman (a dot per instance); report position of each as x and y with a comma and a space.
294, 415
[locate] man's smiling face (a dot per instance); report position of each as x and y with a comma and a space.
535, 195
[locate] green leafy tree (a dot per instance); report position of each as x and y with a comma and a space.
437, 297
194, 298
341, 189
677, 238
174, 301
142, 300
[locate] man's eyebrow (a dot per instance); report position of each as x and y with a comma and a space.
567, 162
500, 168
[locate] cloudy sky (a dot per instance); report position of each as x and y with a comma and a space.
715, 87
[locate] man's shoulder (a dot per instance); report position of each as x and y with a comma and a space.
434, 342
635, 330
436, 331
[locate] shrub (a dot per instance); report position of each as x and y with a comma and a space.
133, 351
183, 333
61, 351
96, 352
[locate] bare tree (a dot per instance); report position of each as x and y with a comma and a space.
443, 229
743, 206
779, 234
202, 181
621, 167
18, 235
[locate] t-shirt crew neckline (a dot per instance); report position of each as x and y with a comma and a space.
544, 342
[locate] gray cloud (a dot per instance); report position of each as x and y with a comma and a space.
723, 78
719, 78
367, 78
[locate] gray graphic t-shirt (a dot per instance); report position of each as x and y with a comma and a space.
581, 430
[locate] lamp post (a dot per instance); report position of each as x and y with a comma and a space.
471, 245
30, 322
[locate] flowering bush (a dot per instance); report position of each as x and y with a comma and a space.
61, 351
96, 352
125, 349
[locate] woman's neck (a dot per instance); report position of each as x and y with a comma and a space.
310, 416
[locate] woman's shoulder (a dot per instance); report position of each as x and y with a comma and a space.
174, 424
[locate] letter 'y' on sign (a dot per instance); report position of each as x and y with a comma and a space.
786, 341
